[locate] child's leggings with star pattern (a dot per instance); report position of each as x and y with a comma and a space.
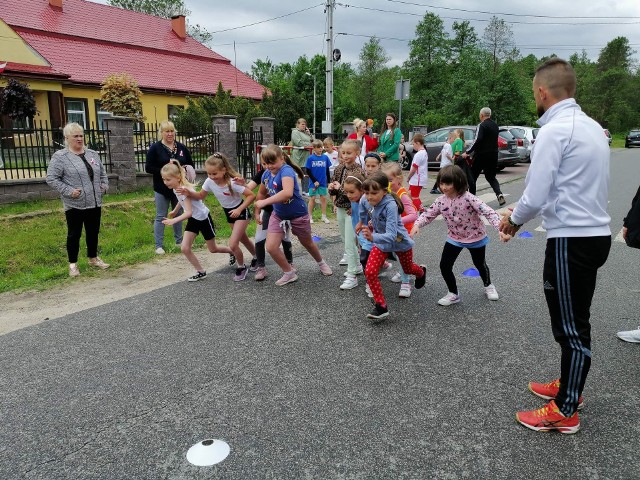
376, 259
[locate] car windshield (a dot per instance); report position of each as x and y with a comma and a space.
516, 132
634, 132
506, 134
534, 132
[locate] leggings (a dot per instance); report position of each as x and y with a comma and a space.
76, 219
450, 253
415, 196
376, 259
261, 238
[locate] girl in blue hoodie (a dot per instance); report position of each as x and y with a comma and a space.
381, 224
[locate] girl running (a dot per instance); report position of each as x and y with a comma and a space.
461, 211
280, 188
220, 174
388, 235
199, 219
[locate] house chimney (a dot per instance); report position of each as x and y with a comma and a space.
177, 24
56, 4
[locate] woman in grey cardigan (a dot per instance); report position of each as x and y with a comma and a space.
77, 173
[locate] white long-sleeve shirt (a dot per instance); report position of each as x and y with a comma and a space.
568, 180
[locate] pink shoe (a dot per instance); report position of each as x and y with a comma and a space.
325, 268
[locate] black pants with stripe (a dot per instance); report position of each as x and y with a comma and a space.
570, 270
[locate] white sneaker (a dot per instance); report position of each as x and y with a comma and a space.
405, 290
159, 251
359, 271
343, 260
632, 336
350, 282
368, 290
491, 292
397, 278
326, 220
449, 299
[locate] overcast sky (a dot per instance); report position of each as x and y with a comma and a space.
540, 27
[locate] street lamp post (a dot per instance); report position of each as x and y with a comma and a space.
314, 102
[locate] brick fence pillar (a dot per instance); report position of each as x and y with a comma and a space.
123, 158
225, 125
268, 125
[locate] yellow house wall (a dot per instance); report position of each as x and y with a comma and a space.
14, 49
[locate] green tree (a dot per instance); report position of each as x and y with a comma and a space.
373, 79
498, 40
464, 38
120, 95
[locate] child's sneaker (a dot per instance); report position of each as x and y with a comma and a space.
343, 260
325, 219
350, 282
420, 281
261, 274
449, 299
197, 276
405, 290
254, 265
397, 278
379, 312
325, 268
241, 274
386, 265
549, 391
368, 291
549, 418
491, 292
232, 260
288, 277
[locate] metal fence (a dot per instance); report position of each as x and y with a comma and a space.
247, 150
201, 144
26, 152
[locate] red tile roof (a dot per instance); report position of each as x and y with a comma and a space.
89, 41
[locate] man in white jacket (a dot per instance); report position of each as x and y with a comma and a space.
567, 184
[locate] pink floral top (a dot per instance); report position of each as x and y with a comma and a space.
462, 215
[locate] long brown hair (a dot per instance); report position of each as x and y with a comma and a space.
273, 152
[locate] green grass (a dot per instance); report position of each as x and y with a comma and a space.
34, 254
617, 140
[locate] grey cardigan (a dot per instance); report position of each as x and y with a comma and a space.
67, 172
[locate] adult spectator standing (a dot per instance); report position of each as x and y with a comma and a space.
567, 184
631, 235
368, 144
77, 173
301, 139
485, 148
389, 147
158, 155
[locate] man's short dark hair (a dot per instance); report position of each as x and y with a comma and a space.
558, 76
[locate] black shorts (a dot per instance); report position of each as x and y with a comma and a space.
245, 215
205, 227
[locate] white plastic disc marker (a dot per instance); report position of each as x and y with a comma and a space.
208, 452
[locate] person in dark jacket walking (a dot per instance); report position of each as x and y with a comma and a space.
77, 173
159, 154
485, 148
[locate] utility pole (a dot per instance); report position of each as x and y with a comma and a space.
327, 125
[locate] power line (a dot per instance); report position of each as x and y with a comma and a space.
268, 20
266, 41
502, 13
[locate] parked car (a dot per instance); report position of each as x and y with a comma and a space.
526, 137
632, 138
608, 135
433, 142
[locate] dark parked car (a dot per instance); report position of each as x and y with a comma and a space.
632, 139
433, 142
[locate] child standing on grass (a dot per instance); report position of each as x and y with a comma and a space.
332, 152
445, 157
419, 173
317, 168
408, 217
220, 174
462, 212
199, 219
279, 187
388, 235
349, 151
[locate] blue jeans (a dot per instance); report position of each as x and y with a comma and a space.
162, 208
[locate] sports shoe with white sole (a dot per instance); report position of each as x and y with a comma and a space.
325, 269
397, 278
241, 273
287, 277
632, 336
197, 276
350, 282
359, 271
368, 291
379, 312
549, 418
160, 251
549, 391
491, 292
405, 290
449, 299
343, 260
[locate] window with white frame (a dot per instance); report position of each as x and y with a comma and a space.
76, 111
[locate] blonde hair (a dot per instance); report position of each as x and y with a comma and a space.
353, 143
317, 144
357, 123
174, 169
166, 125
70, 129
392, 170
219, 161
328, 142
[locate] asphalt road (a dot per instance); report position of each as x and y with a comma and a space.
301, 385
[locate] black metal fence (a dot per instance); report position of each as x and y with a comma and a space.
247, 150
26, 152
201, 144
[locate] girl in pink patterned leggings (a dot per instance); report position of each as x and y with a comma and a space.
381, 224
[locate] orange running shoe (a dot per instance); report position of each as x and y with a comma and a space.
549, 391
549, 418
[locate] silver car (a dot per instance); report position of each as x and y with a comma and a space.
525, 136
